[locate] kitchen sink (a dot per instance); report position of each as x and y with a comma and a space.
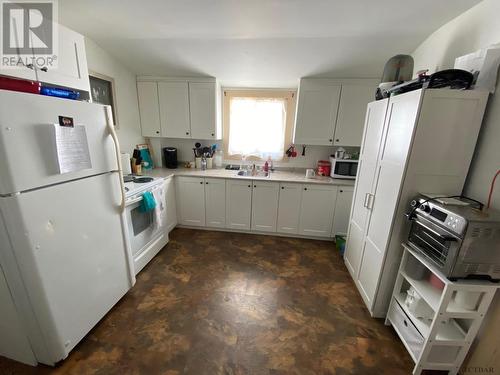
258, 174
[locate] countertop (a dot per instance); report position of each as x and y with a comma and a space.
278, 176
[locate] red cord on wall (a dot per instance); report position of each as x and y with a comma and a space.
491, 188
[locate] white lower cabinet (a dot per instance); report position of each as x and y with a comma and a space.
290, 196
238, 204
215, 202
342, 210
171, 203
311, 210
265, 206
191, 201
316, 212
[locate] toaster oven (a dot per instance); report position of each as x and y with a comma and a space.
463, 242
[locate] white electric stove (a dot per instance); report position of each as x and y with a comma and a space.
146, 231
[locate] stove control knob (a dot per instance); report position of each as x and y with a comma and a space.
426, 208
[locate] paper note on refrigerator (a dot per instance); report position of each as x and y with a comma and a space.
72, 148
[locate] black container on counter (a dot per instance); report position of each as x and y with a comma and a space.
170, 154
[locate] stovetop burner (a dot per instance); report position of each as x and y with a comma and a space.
138, 180
141, 180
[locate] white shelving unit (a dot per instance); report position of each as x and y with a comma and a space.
441, 340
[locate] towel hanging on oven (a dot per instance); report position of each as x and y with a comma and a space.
148, 202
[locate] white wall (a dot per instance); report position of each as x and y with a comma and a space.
129, 128
477, 28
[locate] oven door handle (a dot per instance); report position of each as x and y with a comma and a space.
133, 201
444, 237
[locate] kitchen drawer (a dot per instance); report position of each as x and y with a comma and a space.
406, 330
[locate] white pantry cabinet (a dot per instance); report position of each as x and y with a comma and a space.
71, 70
191, 201
238, 204
331, 111
215, 202
342, 210
365, 187
405, 153
316, 212
290, 196
179, 107
265, 205
171, 204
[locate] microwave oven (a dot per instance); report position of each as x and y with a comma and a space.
344, 168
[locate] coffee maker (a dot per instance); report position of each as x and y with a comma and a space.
170, 154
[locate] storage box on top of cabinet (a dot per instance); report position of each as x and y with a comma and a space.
420, 141
179, 107
331, 111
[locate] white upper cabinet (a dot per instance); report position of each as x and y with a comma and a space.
351, 116
191, 201
187, 108
238, 204
202, 109
289, 208
317, 107
147, 93
317, 209
173, 98
71, 70
265, 206
331, 111
215, 202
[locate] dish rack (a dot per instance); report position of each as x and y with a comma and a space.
435, 318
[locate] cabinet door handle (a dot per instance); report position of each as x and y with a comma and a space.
331, 140
337, 140
213, 134
249, 185
201, 182
157, 132
255, 186
305, 188
282, 188
371, 199
187, 133
341, 191
206, 183
366, 199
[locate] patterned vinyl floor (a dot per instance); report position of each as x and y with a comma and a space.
226, 303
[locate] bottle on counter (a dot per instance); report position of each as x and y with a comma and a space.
218, 159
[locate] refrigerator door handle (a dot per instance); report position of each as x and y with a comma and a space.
111, 129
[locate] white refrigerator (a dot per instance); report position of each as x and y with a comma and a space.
64, 262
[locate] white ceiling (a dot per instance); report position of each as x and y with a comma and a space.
259, 42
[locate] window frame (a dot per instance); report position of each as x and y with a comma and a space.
290, 96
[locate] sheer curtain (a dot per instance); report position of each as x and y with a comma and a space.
257, 127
